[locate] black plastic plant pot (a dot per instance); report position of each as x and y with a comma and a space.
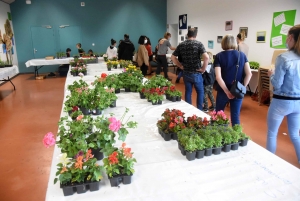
190, 156
115, 67
149, 100
96, 112
68, 190
127, 89
159, 131
173, 98
127, 179
109, 69
154, 103
85, 73
85, 111
178, 98
75, 74
217, 150
167, 136
159, 102
81, 188
235, 146
113, 104
208, 152
174, 136
142, 95
115, 181
70, 72
179, 146
167, 96
97, 154
226, 148
94, 186
200, 154
117, 91
244, 142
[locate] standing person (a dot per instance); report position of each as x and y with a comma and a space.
142, 55
190, 52
126, 49
68, 53
286, 98
150, 54
242, 46
112, 50
208, 82
225, 69
161, 59
80, 50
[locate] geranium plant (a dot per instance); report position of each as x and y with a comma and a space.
197, 122
219, 118
120, 162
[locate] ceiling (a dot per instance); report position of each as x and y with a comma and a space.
8, 1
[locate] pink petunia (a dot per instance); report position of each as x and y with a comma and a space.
114, 125
79, 117
49, 140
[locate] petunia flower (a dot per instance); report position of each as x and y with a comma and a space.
79, 117
49, 140
64, 160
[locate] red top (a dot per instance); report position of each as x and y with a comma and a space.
148, 47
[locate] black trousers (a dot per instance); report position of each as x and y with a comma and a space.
162, 62
144, 69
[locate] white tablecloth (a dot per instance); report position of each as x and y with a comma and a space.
8, 72
44, 62
163, 174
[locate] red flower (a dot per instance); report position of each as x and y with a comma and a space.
103, 75
75, 108
127, 152
113, 158
172, 125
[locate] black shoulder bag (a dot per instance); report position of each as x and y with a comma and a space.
237, 89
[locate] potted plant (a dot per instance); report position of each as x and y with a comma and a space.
219, 118
105, 57
74, 71
109, 65
2, 64
200, 143
86, 98
243, 137
78, 174
254, 65
178, 95
187, 143
227, 140
113, 81
156, 95
209, 143
172, 93
119, 166
235, 140
218, 142
197, 122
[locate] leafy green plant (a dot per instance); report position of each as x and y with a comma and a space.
200, 143
218, 140
209, 141
254, 65
235, 136
227, 138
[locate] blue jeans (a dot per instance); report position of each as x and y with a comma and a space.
180, 74
190, 80
235, 106
277, 111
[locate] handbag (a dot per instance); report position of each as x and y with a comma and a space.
237, 89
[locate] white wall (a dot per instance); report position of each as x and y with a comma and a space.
4, 8
173, 30
210, 16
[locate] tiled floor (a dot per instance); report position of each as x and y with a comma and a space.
31, 111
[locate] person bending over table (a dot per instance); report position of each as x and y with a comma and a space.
225, 68
80, 50
286, 98
142, 57
112, 50
190, 51
161, 59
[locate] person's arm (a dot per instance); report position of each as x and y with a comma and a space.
248, 74
170, 46
222, 83
145, 56
205, 58
174, 58
277, 77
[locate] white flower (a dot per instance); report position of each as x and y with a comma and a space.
81, 74
105, 87
63, 159
104, 55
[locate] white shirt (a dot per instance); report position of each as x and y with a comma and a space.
111, 52
243, 47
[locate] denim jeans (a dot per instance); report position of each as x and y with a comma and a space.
235, 106
277, 111
180, 74
190, 80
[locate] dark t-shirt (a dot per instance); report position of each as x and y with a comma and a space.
227, 60
80, 51
190, 52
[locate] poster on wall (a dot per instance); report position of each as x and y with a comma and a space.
244, 30
282, 22
219, 39
182, 21
210, 44
261, 37
228, 25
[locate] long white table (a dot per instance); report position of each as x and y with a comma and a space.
163, 174
7, 73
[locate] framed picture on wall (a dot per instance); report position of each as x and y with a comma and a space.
180, 32
244, 30
210, 44
228, 25
261, 37
182, 38
219, 39
182, 21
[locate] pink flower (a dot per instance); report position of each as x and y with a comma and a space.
81, 74
79, 117
114, 125
49, 140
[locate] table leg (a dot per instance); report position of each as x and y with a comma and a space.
8, 79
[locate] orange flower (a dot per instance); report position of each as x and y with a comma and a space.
89, 155
64, 169
79, 162
123, 145
127, 152
113, 158
79, 117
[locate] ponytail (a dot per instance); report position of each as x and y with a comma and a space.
295, 31
167, 34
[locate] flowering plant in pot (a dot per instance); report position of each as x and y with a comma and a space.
105, 57
156, 95
171, 93
132, 81
72, 134
109, 65
219, 118
115, 63
75, 113
114, 59
86, 98
75, 85
197, 122
71, 104
80, 172
113, 81
82, 69
119, 165
74, 71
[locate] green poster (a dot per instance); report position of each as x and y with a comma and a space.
281, 23
9, 15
